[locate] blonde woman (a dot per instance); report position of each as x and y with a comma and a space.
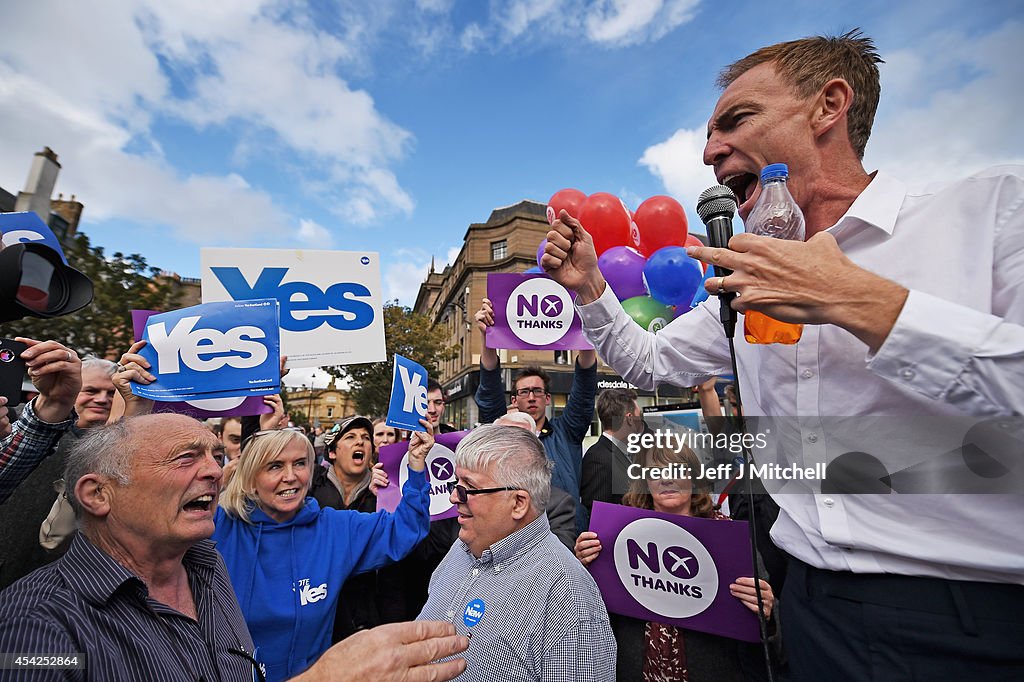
288, 558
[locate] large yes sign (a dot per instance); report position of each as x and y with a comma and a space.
331, 311
214, 350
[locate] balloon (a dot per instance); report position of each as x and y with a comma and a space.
569, 199
672, 276
702, 293
647, 312
606, 218
662, 222
540, 249
693, 240
535, 270
623, 269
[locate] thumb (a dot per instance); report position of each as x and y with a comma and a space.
579, 233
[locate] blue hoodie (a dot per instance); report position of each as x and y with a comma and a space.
287, 576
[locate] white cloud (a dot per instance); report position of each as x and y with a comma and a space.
677, 163
92, 81
315, 235
611, 23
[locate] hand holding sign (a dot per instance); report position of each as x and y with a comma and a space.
419, 445
743, 589
378, 479
588, 546
133, 367
408, 404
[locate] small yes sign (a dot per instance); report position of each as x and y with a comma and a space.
408, 395
214, 350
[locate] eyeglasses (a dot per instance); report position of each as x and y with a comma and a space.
253, 436
462, 493
536, 390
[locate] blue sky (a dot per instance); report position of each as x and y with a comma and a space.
392, 125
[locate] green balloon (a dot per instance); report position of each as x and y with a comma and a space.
647, 312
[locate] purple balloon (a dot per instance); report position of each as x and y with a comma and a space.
540, 250
623, 269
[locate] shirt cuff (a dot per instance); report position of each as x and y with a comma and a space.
931, 344
599, 312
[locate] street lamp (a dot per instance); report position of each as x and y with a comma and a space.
309, 410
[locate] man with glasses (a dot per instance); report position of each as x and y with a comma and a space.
532, 610
562, 436
437, 400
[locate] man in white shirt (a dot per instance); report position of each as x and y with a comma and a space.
913, 305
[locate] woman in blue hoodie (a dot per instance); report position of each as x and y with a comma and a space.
288, 558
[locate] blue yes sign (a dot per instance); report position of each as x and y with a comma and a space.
331, 309
304, 306
408, 395
214, 350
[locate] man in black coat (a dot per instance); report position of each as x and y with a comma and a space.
605, 464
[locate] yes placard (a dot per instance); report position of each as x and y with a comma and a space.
214, 350
408, 395
331, 309
533, 312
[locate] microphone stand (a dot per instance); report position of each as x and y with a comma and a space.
722, 204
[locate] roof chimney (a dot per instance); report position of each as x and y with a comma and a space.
41, 179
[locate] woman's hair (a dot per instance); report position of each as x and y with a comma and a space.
239, 496
639, 494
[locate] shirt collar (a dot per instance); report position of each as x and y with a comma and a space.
616, 442
97, 576
513, 546
878, 205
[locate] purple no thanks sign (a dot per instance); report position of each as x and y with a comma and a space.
440, 472
673, 569
533, 312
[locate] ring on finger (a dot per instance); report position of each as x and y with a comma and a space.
721, 286
120, 367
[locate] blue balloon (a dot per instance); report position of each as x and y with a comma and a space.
702, 293
672, 277
535, 270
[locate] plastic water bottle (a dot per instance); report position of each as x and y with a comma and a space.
776, 215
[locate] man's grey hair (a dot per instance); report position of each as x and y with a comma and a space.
93, 362
512, 456
105, 450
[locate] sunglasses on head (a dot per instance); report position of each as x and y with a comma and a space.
251, 437
462, 493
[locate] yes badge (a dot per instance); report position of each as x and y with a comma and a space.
474, 612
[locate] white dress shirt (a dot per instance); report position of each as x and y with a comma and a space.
953, 362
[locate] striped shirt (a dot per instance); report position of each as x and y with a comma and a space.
531, 609
87, 603
30, 442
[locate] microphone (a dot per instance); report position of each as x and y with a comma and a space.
716, 206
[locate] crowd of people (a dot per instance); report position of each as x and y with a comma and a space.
155, 546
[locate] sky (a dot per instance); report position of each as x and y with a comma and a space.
392, 125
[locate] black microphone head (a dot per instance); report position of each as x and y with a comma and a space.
716, 201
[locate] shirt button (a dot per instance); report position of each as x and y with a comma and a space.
807, 374
497, 568
812, 438
451, 614
907, 374
476, 572
829, 502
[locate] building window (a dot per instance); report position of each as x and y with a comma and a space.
330, 412
561, 357
499, 249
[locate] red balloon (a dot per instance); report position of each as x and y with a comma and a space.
569, 199
693, 241
606, 218
662, 222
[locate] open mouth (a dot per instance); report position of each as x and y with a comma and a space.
742, 185
288, 493
203, 503
358, 457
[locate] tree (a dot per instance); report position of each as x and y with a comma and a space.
120, 283
408, 334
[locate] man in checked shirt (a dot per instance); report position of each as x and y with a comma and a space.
533, 612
